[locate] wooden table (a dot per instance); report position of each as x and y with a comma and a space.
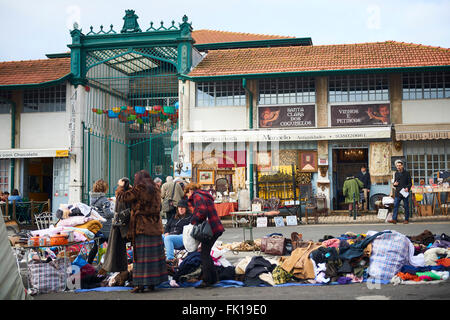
435, 191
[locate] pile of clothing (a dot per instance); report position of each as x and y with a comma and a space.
188, 269
353, 258
435, 265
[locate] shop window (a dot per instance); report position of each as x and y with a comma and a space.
4, 174
294, 90
358, 88
220, 93
426, 167
51, 99
426, 85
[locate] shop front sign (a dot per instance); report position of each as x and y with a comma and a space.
288, 135
360, 115
287, 117
33, 153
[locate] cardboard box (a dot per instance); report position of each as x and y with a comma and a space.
425, 210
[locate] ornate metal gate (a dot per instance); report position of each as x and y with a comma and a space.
131, 105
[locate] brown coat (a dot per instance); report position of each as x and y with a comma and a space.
299, 262
145, 211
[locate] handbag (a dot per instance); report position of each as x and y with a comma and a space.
121, 218
264, 240
202, 232
275, 245
167, 204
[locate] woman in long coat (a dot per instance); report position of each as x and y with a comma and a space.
351, 189
116, 259
145, 231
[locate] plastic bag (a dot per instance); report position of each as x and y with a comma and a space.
190, 244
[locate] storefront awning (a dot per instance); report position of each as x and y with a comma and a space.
33, 153
288, 135
422, 132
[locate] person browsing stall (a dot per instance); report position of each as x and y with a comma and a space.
203, 204
402, 184
102, 205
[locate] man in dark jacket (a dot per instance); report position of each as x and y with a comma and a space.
402, 183
364, 176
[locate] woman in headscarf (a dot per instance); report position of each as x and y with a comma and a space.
145, 231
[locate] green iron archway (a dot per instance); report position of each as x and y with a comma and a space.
121, 73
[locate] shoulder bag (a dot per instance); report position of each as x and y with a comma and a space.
121, 218
202, 232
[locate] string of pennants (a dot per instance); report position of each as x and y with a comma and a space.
139, 114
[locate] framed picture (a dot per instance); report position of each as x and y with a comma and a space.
205, 176
264, 161
382, 214
308, 161
291, 220
183, 170
279, 221
261, 222
158, 170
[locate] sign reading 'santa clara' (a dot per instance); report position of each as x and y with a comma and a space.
360, 115
287, 116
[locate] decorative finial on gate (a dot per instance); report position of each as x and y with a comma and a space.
130, 22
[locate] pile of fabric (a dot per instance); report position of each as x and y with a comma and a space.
382, 257
435, 263
188, 269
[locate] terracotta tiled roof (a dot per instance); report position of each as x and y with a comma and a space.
214, 36
33, 71
387, 54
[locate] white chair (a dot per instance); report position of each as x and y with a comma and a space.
43, 220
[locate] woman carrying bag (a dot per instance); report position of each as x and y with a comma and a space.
116, 259
145, 231
203, 204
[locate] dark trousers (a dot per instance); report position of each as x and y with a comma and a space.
208, 271
94, 249
405, 206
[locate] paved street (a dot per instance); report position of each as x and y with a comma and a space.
422, 291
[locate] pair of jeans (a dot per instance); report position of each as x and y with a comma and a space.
172, 242
94, 249
397, 204
208, 270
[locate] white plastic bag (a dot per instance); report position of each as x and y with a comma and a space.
387, 201
190, 244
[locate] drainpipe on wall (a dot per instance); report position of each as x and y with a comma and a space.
250, 125
13, 140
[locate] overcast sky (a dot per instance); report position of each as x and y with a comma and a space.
30, 28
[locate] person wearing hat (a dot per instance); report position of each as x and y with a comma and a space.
402, 181
173, 232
